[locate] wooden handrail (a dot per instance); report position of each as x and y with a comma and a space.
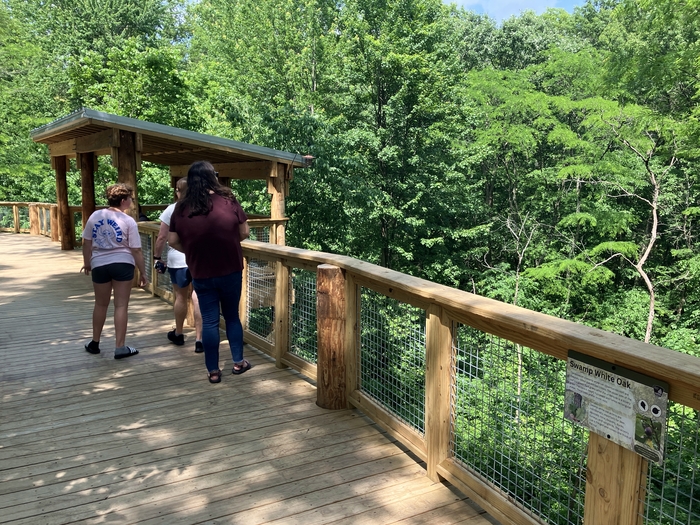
541, 332
615, 476
612, 469
42, 218
42, 214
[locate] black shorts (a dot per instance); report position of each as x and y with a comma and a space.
113, 272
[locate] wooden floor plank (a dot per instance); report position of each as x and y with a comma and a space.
90, 439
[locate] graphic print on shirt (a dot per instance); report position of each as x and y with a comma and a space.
106, 233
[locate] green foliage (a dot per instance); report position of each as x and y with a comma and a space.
134, 81
494, 159
550, 162
654, 50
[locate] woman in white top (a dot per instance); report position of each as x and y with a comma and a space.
111, 250
180, 277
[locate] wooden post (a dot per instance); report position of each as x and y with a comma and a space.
64, 214
281, 333
86, 162
275, 186
54, 224
34, 221
437, 388
243, 304
126, 167
189, 318
352, 351
330, 316
15, 217
43, 213
615, 479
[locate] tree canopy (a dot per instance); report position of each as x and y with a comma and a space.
549, 161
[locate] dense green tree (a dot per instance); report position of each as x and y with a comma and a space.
26, 101
394, 106
654, 48
145, 83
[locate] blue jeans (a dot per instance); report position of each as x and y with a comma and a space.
224, 292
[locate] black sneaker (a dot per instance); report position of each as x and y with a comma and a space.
92, 347
178, 340
198, 347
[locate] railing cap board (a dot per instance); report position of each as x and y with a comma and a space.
155, 225
538, 331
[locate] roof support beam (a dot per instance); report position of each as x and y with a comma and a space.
126, 167
86, 163
100, 143
65, 223
276, 186
256, 170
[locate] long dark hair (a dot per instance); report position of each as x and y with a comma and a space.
201, 182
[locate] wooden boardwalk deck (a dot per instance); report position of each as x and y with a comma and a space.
89, 439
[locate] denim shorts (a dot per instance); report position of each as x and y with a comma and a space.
180, 276
112, 272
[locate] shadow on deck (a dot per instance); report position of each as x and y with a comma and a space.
89, 439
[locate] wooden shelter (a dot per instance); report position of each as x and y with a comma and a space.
86, 133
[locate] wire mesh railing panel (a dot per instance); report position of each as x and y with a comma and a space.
164, 278
7, 217
260, 298
23, 217
260, 234
392, 356
673, 489
509, 429
303, 332
147, 250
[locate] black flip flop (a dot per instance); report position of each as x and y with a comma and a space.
216, 373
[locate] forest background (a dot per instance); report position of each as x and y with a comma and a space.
550, 161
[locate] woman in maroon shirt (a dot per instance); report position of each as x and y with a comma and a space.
208, 225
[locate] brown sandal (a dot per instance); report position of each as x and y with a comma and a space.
215, 376
242, 367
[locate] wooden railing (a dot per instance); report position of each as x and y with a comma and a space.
612, 486
262, 228
39, 218
614, 477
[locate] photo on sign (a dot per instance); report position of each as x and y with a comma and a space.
576, 410
648, 432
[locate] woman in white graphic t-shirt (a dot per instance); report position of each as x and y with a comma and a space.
111, 251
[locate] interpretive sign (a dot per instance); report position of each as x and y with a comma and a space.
622, 405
